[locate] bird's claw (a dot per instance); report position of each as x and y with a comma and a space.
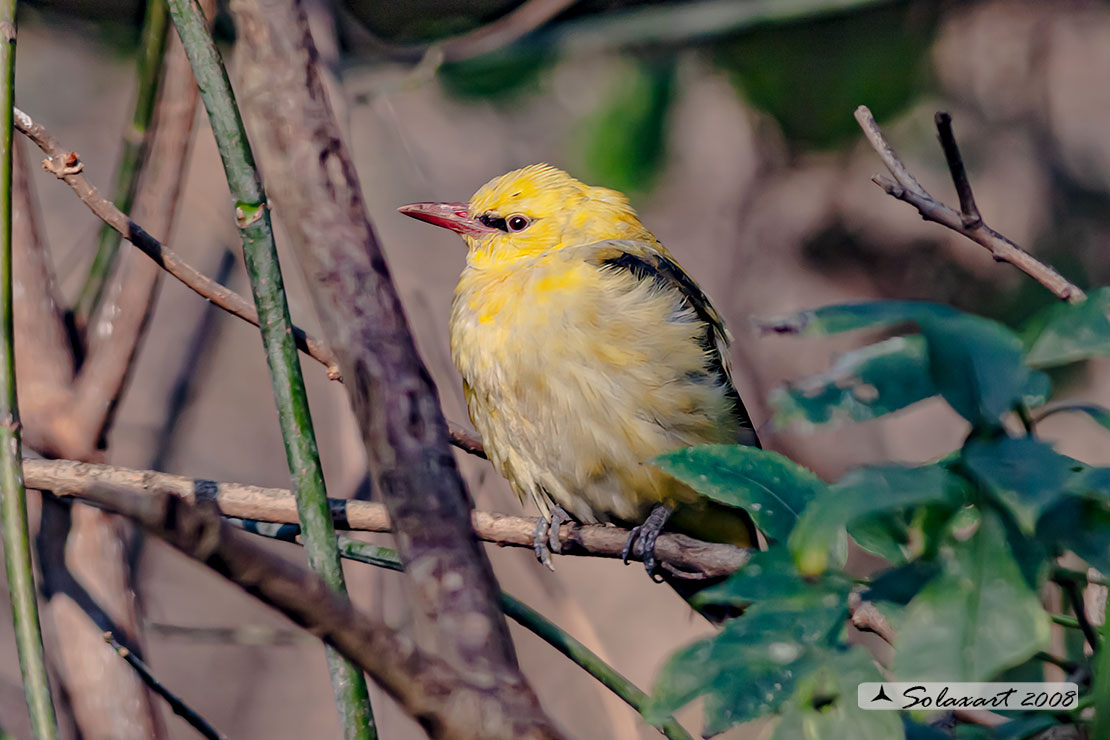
646, 534
539, 543
545, 537
559, 516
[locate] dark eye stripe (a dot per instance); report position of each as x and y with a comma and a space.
494, 222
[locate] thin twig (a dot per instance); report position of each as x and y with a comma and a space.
968, 222
1075, 598
13, 496
68, 167
180, 708
70, 171
276, 327
69, 478
517, 23
638, 25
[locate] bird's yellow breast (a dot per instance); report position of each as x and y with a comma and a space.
576, 375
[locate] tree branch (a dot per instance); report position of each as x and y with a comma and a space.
445, 702
312, 181
67, 166
967, 221
70, 478
276, 328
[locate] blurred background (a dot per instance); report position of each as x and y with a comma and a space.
730, 126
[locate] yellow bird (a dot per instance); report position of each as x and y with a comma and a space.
585, 350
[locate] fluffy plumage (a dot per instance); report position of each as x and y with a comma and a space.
585, 350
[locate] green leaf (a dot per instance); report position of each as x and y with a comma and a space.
900, 585
770, 487
976, 364
771, 575
748, 669
977, 618
1100, 414
864, 492
883, 535
979, 367
1079, 524
825, 704
1026, 475
1065, 332
626, 138
860, 385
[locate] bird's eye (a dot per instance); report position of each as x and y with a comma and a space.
517, 223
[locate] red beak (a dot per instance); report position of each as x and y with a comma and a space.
453, 216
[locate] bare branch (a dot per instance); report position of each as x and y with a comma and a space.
447, 703
968, 222
71, 478
312, 180
67, 166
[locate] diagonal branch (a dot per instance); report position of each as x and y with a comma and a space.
445, 702
967, 221
67, 166
313, 182
71, 478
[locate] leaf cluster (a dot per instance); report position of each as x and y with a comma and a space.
971, 539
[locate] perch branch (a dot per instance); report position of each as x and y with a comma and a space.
967, 221
69, 478
446, 702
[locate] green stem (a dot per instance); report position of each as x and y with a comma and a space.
1101, 689
527, 617
13, 505
260, 254
134, 149
1064, 620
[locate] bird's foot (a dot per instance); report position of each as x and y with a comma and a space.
646, 534
559, 516
545, 537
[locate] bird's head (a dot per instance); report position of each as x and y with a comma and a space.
535, 209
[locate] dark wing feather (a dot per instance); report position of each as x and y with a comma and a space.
646, 263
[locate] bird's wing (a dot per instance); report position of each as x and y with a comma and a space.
647, 261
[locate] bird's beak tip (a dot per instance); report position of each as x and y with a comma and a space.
453, 216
